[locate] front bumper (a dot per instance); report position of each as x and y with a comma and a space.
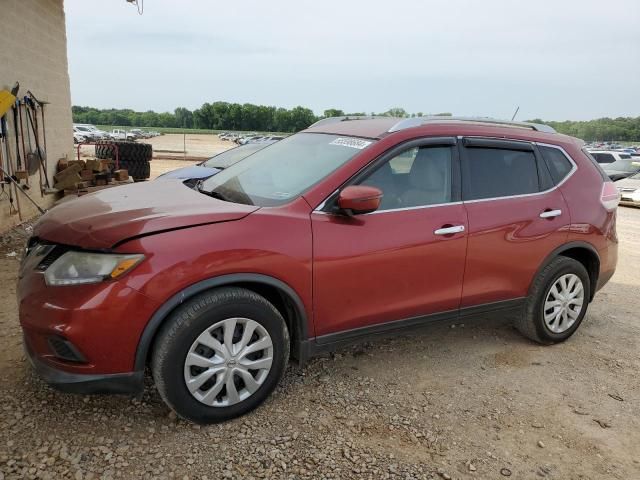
124, 383
82, 333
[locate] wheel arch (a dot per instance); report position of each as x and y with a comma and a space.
281, 295
584, 253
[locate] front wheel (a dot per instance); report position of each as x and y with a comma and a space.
557, 302
220, 355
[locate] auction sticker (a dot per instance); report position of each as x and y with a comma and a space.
351, 142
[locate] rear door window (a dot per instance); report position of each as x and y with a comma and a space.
498, 172
558, 163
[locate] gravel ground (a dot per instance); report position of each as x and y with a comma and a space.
449, 401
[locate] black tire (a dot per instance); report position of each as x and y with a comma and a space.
139, 171
182, 329
127, 151
531, 323
133, 157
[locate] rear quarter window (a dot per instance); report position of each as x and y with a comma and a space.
558, 163
597, 166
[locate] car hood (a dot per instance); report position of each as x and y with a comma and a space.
195, 172
102, 219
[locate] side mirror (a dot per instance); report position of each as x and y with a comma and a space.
359, 199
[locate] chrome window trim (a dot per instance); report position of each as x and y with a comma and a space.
420, 207
573, 170
403, 209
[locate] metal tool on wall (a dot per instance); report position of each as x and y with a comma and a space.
20, 173
32, 108
8, 176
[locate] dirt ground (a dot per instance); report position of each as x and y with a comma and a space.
465, 401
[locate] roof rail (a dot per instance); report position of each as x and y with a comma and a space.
418, 121
345, 118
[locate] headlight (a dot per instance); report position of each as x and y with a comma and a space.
635, 196
74, 268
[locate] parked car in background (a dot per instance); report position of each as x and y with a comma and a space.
86, 133
91, 131
119, 134
264, 139
623, 168
351, 229
215, 164
630, 151
629, 189
608, 156
242, 139
79, 138
139, 133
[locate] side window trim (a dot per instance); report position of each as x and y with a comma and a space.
500, 144
574, 165
496, 141
328, 205
545, 179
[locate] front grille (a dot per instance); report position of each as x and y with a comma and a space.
64, 350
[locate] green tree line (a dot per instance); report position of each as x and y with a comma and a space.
625, 129
235, 116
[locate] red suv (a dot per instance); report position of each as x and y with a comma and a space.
351, 229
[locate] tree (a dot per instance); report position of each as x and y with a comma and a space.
396, 112
333, 112
233, 116
183, 117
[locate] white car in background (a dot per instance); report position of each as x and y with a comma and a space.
78, 138
90, 132
608, 156
629, 189
119, 134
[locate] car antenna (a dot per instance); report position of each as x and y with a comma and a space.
515, 113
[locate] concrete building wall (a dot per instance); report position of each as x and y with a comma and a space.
33, 51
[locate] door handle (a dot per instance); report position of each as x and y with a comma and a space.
449, 230
551, 213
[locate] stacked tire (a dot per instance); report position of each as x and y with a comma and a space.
133, 157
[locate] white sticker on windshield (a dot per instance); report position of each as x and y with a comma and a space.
351, 143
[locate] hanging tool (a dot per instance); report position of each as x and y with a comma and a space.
19, 172
30, 162
41, 104
33, 122
18, 187
7, 173
3, 181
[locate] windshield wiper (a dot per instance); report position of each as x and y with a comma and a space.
212, 193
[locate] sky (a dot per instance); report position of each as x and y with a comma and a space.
556, 59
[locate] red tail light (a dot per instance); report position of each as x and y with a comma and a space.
610, 196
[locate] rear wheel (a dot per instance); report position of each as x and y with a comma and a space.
558, 302
220, 355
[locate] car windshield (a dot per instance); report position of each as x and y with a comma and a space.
624, 165
275, 175
233, 156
